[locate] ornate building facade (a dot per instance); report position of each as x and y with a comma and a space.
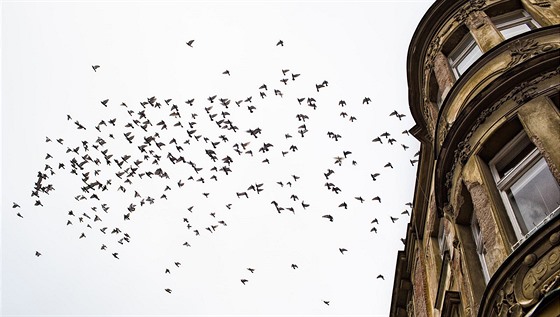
484, 90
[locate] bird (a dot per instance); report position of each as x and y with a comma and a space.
388, 165
380, 277
393, 219
95, 67
168, 290
326, 302
377, 198
294, 266
280, 42
244, 281
116, 255
189, 43
251, 270
226, 72
342, 250
374, 176
15, 205
366, 100
37, 254
328, 217
374, 229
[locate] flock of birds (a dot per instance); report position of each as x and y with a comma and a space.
161, 135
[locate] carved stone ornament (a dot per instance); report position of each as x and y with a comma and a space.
522, 50
533, 281
465, 11
506, 303
541, 3
520, 94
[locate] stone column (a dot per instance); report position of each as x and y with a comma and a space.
483, 30
541, 121
444, 74
545, 12
486, 210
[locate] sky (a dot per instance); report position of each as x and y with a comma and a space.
331, 51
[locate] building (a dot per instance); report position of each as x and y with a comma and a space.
484, 90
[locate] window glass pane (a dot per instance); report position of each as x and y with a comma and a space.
469, 58
534, 195
514, 30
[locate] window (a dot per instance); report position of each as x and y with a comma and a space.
514, 23
480, 250
530, 193
464, 55
442, 238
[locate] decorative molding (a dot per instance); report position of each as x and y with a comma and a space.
537, 279
540, 3
520, 94
522, 50
465, 11
534, 274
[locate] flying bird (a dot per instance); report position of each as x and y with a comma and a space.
342, 250
95, 67
189, 43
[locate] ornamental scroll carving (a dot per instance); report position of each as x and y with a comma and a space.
522, 50
520, 94
537, 276
472, 6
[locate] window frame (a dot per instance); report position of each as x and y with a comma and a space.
480, 250
503, 183
513, 19
458, 55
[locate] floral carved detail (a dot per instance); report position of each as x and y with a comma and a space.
471, 6
433, 49
522, 50
506, 303
520, 94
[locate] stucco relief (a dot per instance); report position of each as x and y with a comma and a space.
540, 3
522, 50
538, 275
520, 94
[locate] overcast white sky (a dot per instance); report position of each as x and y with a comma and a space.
48, 49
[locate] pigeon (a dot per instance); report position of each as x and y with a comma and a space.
189, 43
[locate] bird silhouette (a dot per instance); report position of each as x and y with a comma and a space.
342, 250
190, 43
244, 281
95, 67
